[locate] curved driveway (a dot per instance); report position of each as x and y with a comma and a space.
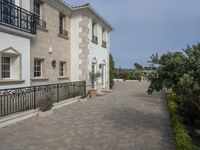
126, 119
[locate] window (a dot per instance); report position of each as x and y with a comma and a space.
38, 68
62, 69
10, 1
104, 38
94, 33
37, 8
61, 23
8, 13
5, 65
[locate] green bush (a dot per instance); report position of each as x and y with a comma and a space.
47, 102
182, 138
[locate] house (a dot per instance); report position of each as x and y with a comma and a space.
17, 29
90, 44
50, 57
51, 42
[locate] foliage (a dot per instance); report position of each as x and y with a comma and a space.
95, 76
182, 138
112, 70
138, 66
179, 71
47, 102
137, 75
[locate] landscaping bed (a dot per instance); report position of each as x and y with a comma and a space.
184, 129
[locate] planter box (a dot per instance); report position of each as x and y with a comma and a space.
44, 114
92, 93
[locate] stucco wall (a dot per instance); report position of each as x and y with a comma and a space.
50, 40
95, 51
22, 45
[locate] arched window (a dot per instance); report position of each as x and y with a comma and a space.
103, 72
94, 70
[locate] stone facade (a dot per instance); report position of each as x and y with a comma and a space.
83, 56
49, 45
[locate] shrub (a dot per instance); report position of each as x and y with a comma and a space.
112, 71
182, 138
47, 102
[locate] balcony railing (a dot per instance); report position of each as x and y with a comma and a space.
40, 22
63, 32
95, 39
104, 44
27, 98
16, 17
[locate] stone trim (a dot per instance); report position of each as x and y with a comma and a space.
83, 46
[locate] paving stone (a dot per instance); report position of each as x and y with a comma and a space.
126, 119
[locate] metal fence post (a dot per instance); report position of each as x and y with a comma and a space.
73, 89
58, 99
34, 97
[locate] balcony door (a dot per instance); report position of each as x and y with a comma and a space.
8, 12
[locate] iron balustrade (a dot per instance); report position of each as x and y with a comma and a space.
95, 39
22, 99
16, 17
40, 22
63, 31
104, 44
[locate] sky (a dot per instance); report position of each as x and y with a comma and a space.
146, 27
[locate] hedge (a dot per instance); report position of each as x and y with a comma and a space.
182, 139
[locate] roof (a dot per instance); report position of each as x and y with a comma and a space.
87, 8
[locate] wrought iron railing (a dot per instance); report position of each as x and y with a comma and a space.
104, 44
16, 17
40, 22
22, 99
63, 32
95, 39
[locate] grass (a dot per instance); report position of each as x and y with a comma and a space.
182, 138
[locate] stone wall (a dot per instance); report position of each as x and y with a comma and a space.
49, 39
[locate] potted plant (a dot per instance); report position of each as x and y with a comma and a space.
94, 77
46, 104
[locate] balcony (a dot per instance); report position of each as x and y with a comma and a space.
104, 44
41, 23
17, 18
63, 33
95, 39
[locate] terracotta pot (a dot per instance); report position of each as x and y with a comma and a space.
92, 93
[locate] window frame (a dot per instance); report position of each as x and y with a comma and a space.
3, 72
35, 71
62, 69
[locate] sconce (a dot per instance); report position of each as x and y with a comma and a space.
54, 63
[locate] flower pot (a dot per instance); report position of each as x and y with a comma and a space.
92, 93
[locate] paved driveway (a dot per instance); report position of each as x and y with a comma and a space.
126, 119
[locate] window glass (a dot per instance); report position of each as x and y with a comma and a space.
62, 69
5, 65
37, 68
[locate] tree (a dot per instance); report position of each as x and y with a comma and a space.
138, 66
180, 72
112, 71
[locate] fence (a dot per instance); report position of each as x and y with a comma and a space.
22, 99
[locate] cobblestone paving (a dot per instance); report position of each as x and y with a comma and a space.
126, 119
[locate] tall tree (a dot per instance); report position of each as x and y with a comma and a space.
112, 71
138, 66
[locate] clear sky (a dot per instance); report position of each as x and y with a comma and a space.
144, 27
